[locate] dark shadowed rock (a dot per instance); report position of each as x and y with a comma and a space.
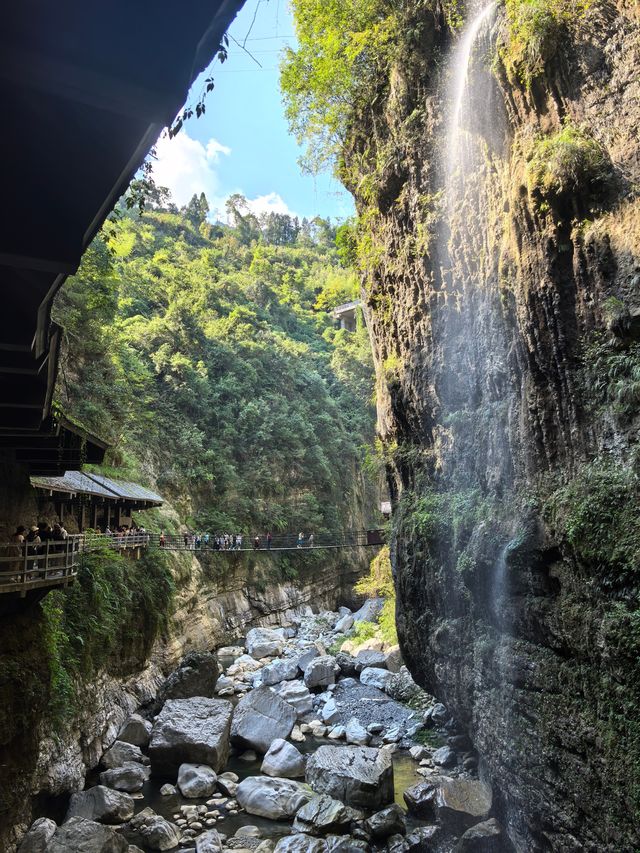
300, 844
421, 800
389, 821
347, 664
323, 815
101, 804
196, 676
356, 775
485, 837
260, 717
79, 835
369, 657
121, 753
194, 731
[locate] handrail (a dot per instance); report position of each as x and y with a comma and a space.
26, 566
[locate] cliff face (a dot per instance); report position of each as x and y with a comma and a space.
503, 300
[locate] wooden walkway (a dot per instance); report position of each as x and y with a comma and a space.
28, 567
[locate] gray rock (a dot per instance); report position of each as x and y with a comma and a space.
357, 775
297, 695
79, 835
225, 685
321, 672
279, 670
209, 842
300, 844
393, 659
344, 623
168, 790
264, 642
276, 799
323, 815
284, 760
374, 676
129, 778
485, 837
444, 757
438, 715
306, 657
389, 821
330, 713
150, 830
38, 836
370, 610
196, 780
227, 786
260, 717
370, 658
462, 802
422, 839
196, 676
121, 753
192, 730
101, 804
248, 831
136, 730
356, 733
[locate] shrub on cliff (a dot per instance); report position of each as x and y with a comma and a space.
569, 165
535, 29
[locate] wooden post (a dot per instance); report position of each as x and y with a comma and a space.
95, 515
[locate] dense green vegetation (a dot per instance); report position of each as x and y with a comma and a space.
379, 582
111, 615
207, 355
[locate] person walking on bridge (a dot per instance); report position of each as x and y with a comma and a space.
269, 539
300, 539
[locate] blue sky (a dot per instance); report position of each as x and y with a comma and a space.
242, 143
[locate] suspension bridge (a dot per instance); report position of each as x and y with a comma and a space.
30, 566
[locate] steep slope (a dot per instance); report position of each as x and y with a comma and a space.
503, 295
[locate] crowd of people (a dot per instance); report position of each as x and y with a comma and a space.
231, 541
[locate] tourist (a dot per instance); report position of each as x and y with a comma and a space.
310, 541
239, 541
300, 539
269, 540
20, 535
163, 540
256, 543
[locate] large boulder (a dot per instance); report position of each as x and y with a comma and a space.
347, 664
196, 780
101, 804
344, 623
370, 610
300, 844
321, 672
389, 821
460, 802
374, 676
192, 730
306, 657
444, 757
260, 717
121, 753
421, 800
279, 670
129, 778
484, 837
136, 730
356, 733
297, 695
323, 815
38, 836
345, 844
85, 836
283, 760
357, 775
151, 831
264, 642
276, 799
368, 658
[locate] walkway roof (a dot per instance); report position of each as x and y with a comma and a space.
95, 485
85, 88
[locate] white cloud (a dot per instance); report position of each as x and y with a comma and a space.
270, 203
186, 166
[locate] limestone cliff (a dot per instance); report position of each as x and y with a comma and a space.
504, 320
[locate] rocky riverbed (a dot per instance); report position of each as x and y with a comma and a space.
277, 745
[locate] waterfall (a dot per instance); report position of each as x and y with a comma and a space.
460, 94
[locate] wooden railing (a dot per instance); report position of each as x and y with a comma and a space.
30, 566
